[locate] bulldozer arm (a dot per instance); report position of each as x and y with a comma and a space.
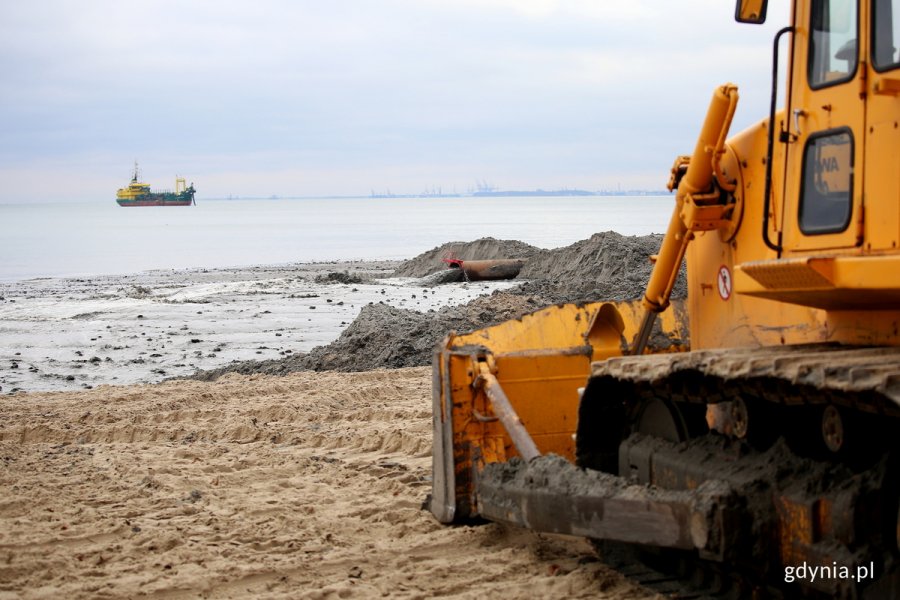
512, 390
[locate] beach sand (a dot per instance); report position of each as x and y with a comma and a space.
252, 485
304, 486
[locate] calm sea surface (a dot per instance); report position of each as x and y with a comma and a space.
75, 239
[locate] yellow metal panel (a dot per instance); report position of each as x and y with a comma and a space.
882, 168
544, 392
784, 274
835, 282
724, 318
566, 326
562, 326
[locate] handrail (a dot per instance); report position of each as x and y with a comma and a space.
770, 146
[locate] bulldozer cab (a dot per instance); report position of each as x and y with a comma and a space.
831, 207
840, 129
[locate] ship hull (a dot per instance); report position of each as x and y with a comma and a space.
155, 202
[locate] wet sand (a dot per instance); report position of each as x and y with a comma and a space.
67, 334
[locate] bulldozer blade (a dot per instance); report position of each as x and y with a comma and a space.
551, 495
539, 362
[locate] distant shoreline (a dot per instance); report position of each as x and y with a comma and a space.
478, 194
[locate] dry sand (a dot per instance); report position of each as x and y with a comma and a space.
303, 486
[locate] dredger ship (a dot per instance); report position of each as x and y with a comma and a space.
140, 194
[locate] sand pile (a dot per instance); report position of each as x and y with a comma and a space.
387, 337
305, 486
608, 266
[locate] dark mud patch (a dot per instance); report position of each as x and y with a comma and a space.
383, 336
344, 277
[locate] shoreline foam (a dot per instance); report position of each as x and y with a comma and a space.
67, 334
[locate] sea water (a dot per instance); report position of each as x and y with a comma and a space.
83, 239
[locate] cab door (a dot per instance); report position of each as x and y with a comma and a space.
882, 173
823, 201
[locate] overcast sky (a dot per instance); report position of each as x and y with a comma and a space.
342, 97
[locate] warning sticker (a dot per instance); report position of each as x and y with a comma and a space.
724, 282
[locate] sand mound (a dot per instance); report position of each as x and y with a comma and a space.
608, 266
306, 486
484, 249
386, 337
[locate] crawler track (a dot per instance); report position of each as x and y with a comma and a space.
806, 436
867, 379
682, 577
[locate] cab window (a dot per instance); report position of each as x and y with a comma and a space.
886, 34
827, 189
832, 42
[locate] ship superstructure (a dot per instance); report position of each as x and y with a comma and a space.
140, 194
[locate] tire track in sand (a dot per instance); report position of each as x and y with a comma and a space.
305, 486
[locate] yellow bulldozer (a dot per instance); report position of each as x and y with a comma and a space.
769, 444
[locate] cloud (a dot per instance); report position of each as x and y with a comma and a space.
361, 92
543, 9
